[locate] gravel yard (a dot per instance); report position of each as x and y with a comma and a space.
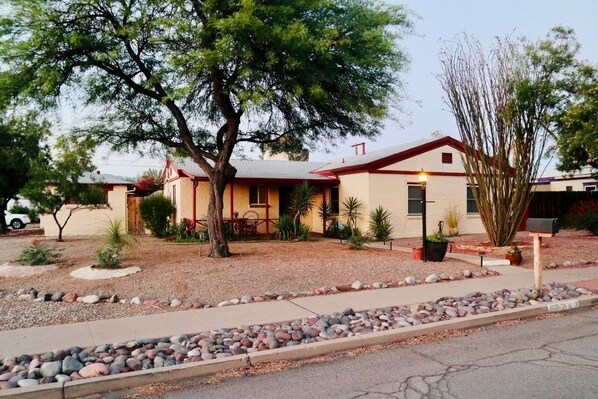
171, 270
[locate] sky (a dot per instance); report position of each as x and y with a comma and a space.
435, 22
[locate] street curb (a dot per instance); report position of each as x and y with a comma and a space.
90, 386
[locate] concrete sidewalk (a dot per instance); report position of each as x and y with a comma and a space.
44, 339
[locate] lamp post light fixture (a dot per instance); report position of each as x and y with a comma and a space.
423, 179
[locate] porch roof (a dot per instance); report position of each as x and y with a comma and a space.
263, 170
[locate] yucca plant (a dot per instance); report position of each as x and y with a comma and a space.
285, 227
380, 226
302, 200
325, 210
351, 213
115, 235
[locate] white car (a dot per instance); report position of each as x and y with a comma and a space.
16, 220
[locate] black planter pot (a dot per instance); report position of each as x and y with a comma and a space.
435, 251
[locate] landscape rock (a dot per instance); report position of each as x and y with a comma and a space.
432, 278
50, 369
91, 299
94, 370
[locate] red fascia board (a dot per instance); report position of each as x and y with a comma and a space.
400, 156
330, 182
414, 172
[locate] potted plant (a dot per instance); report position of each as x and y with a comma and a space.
514, 255
436, 245
418, 253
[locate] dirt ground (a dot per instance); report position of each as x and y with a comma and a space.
172, 270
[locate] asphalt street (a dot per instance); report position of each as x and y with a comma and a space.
556, 357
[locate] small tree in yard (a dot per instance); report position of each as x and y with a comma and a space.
55, 185
502, 102
202, 77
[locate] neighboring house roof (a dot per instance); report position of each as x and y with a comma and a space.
102, 178
261, 169
555, 175
388, 155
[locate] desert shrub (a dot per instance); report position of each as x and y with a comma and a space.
452, 216
285, 227
155, 211
584, 216
116, 236
38, 253
380, 226
358, 241
303, 232
337, 229
108, 257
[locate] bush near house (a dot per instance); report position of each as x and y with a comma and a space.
155, 211
584, 216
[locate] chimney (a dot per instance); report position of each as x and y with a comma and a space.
356, 146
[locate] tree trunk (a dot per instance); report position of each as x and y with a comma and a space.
218, 244
3, 226
60, 228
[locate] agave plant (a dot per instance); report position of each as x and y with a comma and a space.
285, 227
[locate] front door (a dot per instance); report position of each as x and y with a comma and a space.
284, 200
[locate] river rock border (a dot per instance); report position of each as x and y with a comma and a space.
31, 294
108, 359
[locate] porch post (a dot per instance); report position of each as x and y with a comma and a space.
195, 184
267, 210
232, 201
324, 201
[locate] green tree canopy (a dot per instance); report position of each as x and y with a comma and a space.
204, 76
576, 131
55, 185
21, 148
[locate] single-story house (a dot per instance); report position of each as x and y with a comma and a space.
388, 177
92, 221
582, 180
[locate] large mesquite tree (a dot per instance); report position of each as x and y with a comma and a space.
203, 76
503, 102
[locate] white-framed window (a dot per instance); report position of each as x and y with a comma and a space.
590, 188
472, 207
174, 195
414, 199
257, 194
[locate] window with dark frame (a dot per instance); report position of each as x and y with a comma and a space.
334, 201
257, 194
447, 157
472, 206
569, 188
414, 199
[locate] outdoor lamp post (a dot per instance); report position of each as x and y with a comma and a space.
423, 179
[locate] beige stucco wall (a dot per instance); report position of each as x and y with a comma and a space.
89, 221
576, 184
356, 185
430, 161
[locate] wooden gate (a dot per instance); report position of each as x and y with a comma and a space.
134, 221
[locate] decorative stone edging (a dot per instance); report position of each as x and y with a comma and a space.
108, 359
32, 294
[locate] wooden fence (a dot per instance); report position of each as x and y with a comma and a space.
556, 204
134, 221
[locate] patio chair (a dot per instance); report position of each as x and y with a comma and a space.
252, 220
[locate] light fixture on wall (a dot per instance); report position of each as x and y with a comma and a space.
423, 180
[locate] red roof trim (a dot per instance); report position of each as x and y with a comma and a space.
401, 156
413, 172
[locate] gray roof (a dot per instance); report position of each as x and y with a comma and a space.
262, 169
356, 160
102, 178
